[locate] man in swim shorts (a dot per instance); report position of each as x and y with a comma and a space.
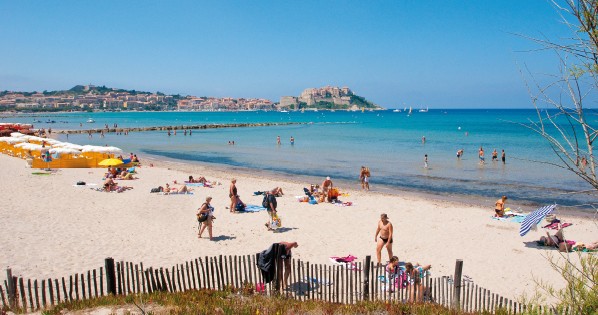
383, 237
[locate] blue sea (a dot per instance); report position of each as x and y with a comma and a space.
337, 143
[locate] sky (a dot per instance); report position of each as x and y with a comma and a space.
440, 54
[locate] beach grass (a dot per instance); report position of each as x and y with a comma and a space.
236, 302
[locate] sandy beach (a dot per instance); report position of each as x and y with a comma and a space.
52, 228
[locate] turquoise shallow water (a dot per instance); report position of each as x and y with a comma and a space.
338, 143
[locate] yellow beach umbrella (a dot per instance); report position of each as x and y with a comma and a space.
110, 162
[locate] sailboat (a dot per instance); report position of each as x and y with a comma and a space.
409, 114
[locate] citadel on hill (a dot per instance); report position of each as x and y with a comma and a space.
328, 97
102, 98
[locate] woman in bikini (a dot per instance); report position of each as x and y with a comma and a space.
383, 237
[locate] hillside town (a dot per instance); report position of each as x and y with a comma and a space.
101, 98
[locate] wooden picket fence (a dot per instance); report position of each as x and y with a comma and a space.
337, 284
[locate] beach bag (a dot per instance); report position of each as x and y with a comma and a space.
276, 222
156, 190
240, 206
202, 217
80, 183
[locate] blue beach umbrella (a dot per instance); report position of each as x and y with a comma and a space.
534, 217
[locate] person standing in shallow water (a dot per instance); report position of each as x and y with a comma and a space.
425, 161
383, 237
503, 157
278, 140
292, 140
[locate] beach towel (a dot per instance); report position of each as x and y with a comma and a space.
557, 225
344, 204
347, 265
346, 259
198, 184
175, 193
516, 218
87, 184
253, 208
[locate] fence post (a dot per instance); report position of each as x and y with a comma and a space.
457, 284
11, 290
366, 278
110, 275
278, 263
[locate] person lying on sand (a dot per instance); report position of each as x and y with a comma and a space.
277, 191
557, 240
125, 175
201, 179
176, 189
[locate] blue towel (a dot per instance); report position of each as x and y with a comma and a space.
253, 208
194, 184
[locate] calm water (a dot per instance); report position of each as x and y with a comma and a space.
338, 143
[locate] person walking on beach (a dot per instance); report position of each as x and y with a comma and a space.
481, 155
425, 161
232, 194
494, 156
364, 177
499, 207
503, 156
205, 215
288, 246
383, 237
270, 206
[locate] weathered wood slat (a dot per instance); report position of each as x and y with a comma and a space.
192, 269
205, 280
51, 292
35, 288
188, 275
178, 277
183, 277
127, 278
44, 301
169, 282
221, 272
101, 281
30, 295
212, 273
76, 286
95, 283
4, 303
22, 293
82, 286
137, 286
197, 272
66, 296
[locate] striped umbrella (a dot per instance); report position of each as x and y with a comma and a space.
534, 217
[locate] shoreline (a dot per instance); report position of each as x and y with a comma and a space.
379, 189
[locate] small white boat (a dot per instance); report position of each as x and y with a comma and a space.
396, 111
284, 111
90, 120
424, 110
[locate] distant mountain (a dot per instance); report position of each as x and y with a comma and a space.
328, 97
